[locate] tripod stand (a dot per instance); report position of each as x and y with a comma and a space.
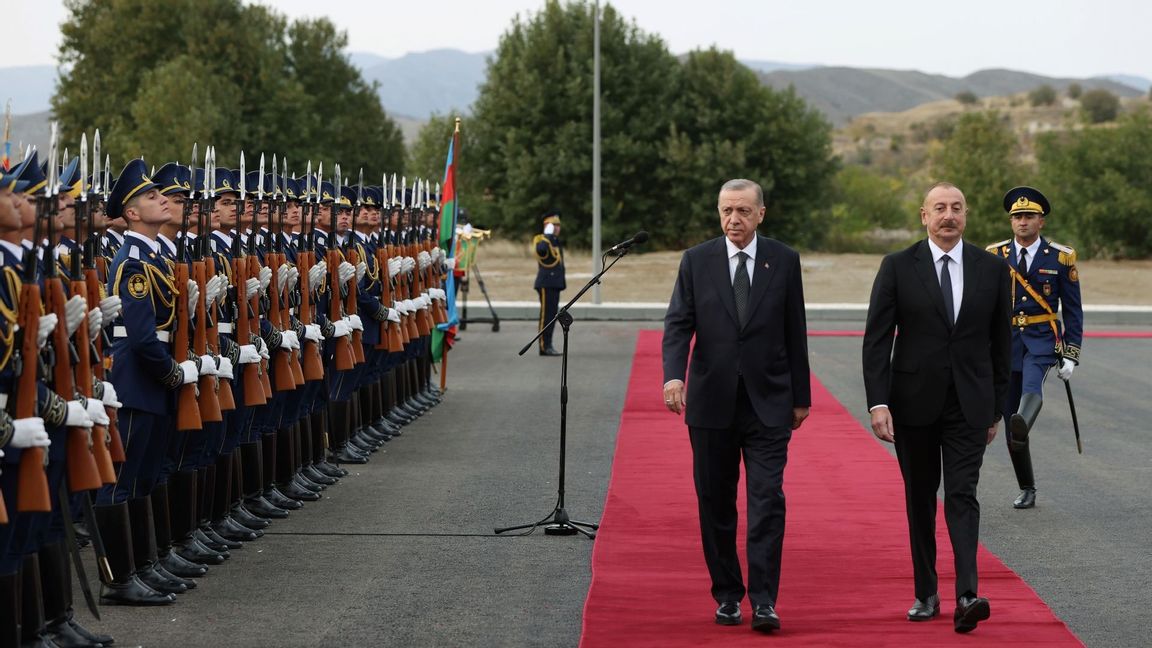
464, 321
558, 522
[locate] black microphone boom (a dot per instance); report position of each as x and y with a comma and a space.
640, 237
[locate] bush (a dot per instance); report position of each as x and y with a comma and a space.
1099, 106
967, 97
1074, 90
1042, 95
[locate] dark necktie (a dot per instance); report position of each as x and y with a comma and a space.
946, 288
1022, 268
740, 287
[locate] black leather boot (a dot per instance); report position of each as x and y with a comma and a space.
180, 566
63, 629
229, 529
314, 474
125, 588
33, 629
282, 501
144, 547
214, 541
1022, 466
10, 609
1020, 423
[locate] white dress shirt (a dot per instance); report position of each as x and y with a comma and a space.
734, 260
1031, 249
956, 272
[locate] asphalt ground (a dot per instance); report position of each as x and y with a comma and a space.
401, 552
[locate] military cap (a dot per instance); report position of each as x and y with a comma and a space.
253, 181
133, 181
70, 177
373, 196
347, 197
1025, 199
173, 178
327, 192
10, 180
552, 217
30, 172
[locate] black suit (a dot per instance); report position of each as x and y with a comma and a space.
742, 386
945, 385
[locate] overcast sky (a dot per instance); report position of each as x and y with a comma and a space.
1053, 37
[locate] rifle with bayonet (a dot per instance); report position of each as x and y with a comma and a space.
187, 408
313, 365
350, 252
211, 410
285, 378
252, 271
253, 385
389, 336
289, 293
211, 323
344, 357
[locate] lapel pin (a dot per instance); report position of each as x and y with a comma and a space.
765, 265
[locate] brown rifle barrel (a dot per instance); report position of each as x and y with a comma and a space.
211, 339
253, 389
187, 409
94, 295
32, 494
254, 327
210, 408
84, 382
313, 365
343, 349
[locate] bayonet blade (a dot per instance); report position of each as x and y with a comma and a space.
83, 169
308, 182
274, 185
260, 180
192, 172
96, 177
360, 188
107, 176
50, 189
241, 178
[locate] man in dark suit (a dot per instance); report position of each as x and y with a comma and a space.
937, 388
742, 298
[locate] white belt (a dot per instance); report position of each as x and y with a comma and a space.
121, 332
224, 327
3, 401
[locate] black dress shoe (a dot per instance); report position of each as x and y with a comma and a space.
188, 583
395, 418
282, 501
133, 592
332, 470
925, 610
249, 519
297, 492
229, 529
88, 635
347, 456
154, 579
208, 537
1026, 500
194, 551
307, 484
970, 610
728, 613
765, 619
260, 506
549, 351
177, 565
388, 426
314, 474
66, 633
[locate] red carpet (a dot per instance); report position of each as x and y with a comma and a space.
847, 575
1121, 335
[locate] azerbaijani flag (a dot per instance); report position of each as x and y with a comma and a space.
447, 240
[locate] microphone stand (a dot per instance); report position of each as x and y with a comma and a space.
558, 522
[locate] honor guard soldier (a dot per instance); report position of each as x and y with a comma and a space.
549, 277
1044, 283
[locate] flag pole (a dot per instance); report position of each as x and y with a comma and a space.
444, 346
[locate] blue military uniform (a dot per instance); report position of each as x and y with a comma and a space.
550, 281
1047, 326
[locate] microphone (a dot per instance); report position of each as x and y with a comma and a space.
622, 247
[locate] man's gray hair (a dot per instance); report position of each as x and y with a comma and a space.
740, 184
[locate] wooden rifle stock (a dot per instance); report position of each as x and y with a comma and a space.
343, 349
350, 305
93, 283
313, 366
253, 267
253, 388
210, 408
286, 320
211, 338
32, 495
389, 337
82, 471
187, 409
85, 377
281, 366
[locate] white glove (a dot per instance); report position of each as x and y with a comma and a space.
312, 332
77, 415
110, 307
323, 265
293, 277
450, 262
74, 311
215, 287
408, 265
281, 277
191, 373
346, 271
29, 433
1064, 371
265, 279
437, 253
355, 322
549, 229
47, 325
315, 275
95, 322
342, 328
207, 365
289, 341
111, 398
193, 296
251, 287
248, 354
225, 369
393, 315
96, 411
394, 265
423, 259
361, 270
262, 349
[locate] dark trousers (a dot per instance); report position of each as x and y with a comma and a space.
549, 304
716, 455
948, 444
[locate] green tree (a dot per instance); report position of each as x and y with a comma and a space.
533, 123
1043, 95
967, 97
1075, 90
981, 157
1097, 181
1099, 106
866, 212
154, 77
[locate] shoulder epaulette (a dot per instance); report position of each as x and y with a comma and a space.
1067, 255
995, 247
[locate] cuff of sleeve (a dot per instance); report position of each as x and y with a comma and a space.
1072, 352
54, 410
381, 314
175, 376
875, 407
7, 429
